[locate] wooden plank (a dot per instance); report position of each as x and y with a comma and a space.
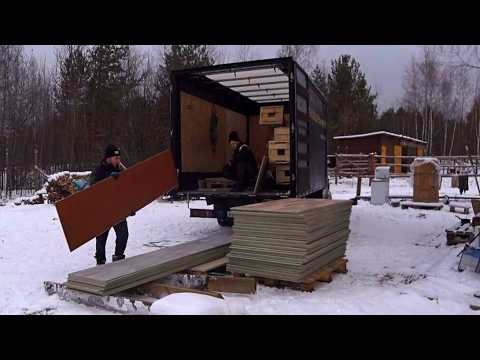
215, 264
261, 173
137, 270
232, 284
92, 211
397, 150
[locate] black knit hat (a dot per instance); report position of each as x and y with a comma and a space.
111, 150
233, 136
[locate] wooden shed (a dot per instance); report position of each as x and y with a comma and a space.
383, 143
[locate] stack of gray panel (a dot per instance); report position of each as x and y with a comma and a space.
288, 239
122, 275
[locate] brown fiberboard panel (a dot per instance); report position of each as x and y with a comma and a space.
292, 206
92, 211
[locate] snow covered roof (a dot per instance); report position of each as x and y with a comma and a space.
379, 133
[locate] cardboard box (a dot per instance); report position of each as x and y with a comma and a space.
271, 115
281, 134
282, 174
279, 151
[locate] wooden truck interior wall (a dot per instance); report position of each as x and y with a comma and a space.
198, 154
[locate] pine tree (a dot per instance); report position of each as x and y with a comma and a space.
320, 77
352, 103
177, 57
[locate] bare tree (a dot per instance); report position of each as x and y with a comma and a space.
246, 52
305, 55
465, 56
463, 89
411, 87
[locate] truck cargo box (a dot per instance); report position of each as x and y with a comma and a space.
252, 98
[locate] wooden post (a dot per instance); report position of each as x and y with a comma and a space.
7, 180
35, 166
475, 167
371, 165
359, 186
337, 164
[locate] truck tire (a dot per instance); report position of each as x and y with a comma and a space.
222, 218
226, 222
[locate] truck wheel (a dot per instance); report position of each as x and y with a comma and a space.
222, 218
227, 222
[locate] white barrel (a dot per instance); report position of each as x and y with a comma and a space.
382, 172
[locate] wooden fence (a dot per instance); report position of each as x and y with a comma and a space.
364, 165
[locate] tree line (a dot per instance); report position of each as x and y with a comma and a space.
61, 115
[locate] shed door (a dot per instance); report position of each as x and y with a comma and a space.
397, 151
383, 154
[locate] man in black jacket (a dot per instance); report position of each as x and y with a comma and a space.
243, 166
110, 166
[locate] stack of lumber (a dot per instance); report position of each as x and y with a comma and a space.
288, 239
122, 275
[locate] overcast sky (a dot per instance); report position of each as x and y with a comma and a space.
383, 65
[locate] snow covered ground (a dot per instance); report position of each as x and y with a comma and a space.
398, 260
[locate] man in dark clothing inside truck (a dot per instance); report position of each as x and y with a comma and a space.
110, 166
243, 167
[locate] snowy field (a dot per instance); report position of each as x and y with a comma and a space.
398, 260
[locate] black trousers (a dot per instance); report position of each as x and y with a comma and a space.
121, 230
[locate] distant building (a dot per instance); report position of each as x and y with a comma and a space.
382, 143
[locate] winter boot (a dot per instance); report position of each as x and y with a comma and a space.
100, 261
118, 257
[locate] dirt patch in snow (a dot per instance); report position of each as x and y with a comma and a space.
400, 278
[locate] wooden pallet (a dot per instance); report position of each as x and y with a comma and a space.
461, 234
218, 183
218, 279
325, 274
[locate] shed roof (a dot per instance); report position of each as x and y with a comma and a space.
379, 133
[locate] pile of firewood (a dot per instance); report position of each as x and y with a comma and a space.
62, 186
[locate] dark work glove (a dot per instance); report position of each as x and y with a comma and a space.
115, 174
